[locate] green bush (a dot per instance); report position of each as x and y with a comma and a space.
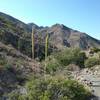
80, 59
8, 66
90, 62
16, 96
51, 64
95, 50
2, 60
59, 60
53, 89
71, 56
64, 57
56, 89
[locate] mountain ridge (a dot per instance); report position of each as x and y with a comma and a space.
18, 34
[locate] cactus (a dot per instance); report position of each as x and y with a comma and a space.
33, 43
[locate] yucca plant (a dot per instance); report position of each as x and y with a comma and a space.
46, 45
39, 44
54, 43
46, 52
33, 44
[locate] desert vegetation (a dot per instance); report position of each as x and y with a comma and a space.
53, 88
40, 66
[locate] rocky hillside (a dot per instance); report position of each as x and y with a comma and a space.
17, 67
18, 34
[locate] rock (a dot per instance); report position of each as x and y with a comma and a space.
73, 67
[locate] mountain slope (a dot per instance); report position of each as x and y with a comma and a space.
18, 34
64, 36
18, 68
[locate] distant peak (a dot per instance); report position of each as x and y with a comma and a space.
58, 25
32, 24
62, 26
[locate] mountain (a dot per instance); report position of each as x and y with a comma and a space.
67, 37
18, 34
16, 65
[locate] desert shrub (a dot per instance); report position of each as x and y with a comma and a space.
51, 64
70, 56
90, 62
95, 50
52, 89
8, 66
16, 96
59, 60
80, 59
2, 60
65, 57
56, 89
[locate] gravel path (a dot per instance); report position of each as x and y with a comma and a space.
95, 84
87, 77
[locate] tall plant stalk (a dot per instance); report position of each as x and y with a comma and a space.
39, 43
46, 46
46, 53
54, 43
33, 44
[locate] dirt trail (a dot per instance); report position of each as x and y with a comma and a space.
93, 80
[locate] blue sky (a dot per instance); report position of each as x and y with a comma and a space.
83, 15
